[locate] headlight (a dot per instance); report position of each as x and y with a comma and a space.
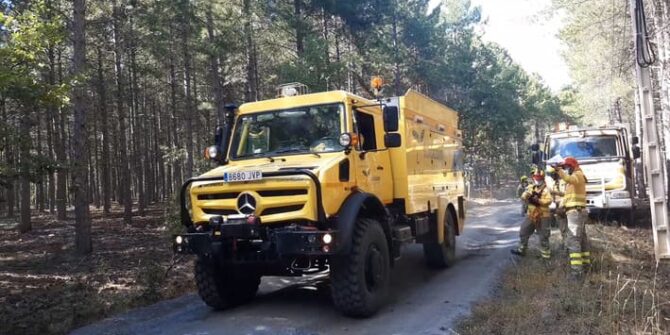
213, 152
345, 140
327, 238
179, 239
619, 195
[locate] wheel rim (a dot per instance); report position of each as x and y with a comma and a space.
374, 268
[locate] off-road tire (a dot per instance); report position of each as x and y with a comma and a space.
360, 281
442, 255
221, 289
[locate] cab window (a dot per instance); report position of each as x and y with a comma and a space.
366, 130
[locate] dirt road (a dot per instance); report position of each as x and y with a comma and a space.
423, 301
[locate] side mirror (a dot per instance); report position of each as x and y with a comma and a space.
391, 116
218, 136
635, 140
536, 157
392, 140
535, 147
217, 152
636, 152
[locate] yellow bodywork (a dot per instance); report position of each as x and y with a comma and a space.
425, 172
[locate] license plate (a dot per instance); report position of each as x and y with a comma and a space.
231, 177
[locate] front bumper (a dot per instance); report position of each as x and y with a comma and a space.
252, 242
605, 201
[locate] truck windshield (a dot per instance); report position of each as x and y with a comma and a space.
584, 147
311, 129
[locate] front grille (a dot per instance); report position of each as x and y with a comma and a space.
272, 204
282, 209
218, 196
213, 211
282, 193
598, 181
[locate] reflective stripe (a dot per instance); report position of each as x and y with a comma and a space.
586, 261
576, 262
586, 254
575, 255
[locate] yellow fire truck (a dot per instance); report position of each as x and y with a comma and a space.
325, 181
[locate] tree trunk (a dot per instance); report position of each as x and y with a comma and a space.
105, 178
39, 186
124, 180
189, 109
299, 28
80, 134
61, 157
214, 71
396, 57
24, 170
251, 88
137, 131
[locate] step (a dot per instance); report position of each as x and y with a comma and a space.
402, 233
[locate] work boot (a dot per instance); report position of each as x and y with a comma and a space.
519, 251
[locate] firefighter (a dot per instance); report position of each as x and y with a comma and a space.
523, 185
538, 216
558, 208
574, 202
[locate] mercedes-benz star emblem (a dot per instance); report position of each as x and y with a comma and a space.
246, 203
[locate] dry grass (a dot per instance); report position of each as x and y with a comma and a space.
626, 292
46, 289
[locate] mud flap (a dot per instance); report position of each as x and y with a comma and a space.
441, 212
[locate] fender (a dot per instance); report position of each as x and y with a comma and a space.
365, 205
456, 209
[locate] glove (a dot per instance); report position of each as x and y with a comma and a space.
534, 200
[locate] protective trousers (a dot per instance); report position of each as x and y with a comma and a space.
577, 240
543, 228
562, 221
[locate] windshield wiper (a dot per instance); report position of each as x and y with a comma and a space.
289, 150
261, 155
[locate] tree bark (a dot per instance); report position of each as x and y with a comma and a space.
105, 178
24, 171
189, 108
299, 28
80, 133
124, 180
251, 88
214, 72
61, 156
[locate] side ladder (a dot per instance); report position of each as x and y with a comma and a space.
652, 155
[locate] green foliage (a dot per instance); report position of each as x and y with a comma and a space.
597, 36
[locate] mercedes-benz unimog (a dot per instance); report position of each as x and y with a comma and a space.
331, 181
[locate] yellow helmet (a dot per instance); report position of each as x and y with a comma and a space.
524, 178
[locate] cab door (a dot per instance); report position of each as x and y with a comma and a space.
373, 173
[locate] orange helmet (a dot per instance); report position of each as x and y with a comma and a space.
571, 162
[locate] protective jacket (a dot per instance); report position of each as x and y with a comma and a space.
544, 199
575, 189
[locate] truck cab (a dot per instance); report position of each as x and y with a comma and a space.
607, 159
325, 182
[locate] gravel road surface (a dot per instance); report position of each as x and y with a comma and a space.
423, 301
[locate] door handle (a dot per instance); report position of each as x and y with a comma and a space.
380, 167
